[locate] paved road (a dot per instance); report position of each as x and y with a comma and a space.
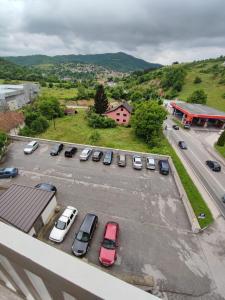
198, 152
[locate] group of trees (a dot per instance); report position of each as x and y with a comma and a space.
198, 97
38, 115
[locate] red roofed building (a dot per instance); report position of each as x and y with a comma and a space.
120, 113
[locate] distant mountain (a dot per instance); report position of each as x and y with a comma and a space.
120, 61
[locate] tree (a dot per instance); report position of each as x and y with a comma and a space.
50, 85
198, 96
147, 120
101, 101
136, 96
3, 141
221, 139
50, 108
197, 80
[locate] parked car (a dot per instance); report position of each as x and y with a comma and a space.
8, 172
30, 147
150, 163
46, 187
56, 149
182, 145
63, 224
97, 155
83, 237
107, 160
223, 198
121, 160
214, 165
176, 127
164, 167
85, 154
107, 253
137, 162
187, 126
70, 152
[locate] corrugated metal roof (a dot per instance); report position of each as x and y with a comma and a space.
21, 205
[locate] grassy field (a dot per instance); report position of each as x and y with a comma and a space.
59, 93
75, 129
210, 85
221, 150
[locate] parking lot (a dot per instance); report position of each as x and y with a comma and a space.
155, 237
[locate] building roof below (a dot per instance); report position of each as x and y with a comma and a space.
20, 205
10, 120
199, 109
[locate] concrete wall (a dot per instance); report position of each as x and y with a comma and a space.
49, 210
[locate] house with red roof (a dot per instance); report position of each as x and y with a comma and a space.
120, 113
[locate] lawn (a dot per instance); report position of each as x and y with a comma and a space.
75, 129
59, 93
221, 150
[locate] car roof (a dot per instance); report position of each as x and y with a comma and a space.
86, 150
151, 160
87, 222
32, 143
63, 218
68, 211
137, 157
97, 152
110, 232
8, 169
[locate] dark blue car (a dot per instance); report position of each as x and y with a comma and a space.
8, 172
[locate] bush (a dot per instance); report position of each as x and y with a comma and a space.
198, 96
221, 139
197, 80
3, 141
98, 121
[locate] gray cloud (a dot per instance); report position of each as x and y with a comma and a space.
156, 30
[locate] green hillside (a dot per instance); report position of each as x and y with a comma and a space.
120, 61
177, 81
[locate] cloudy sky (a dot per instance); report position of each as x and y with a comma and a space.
156, 30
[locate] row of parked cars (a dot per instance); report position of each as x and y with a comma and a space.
137, 160
81, 243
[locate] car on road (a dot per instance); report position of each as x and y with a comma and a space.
121, 160
56, 149
83, 238
176, 127
63, 224
85, 154
213, 165
182, 145
107, 253
8, 172
46, 187
137, 162
70, 152
187, 126
164, 166
150, 163
31, 147
223, 198
97, 155
107, 160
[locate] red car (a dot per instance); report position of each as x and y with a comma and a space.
107, 254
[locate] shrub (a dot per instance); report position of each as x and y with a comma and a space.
197, 80
98, 121
94, 137
221, 139
198, 96
3, 141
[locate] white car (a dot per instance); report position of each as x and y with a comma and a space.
85, 154
150, 163
63, 224
137, 162
31, 147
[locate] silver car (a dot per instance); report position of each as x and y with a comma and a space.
150, 163
85, 154
31, 147
137, 162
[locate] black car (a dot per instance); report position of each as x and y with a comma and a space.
97, 155
108, 158
46, 187
164, 167
176, 127
182, 145
56, 149
70, 152
83, 237
214, 165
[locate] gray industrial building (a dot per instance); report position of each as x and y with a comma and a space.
13, 97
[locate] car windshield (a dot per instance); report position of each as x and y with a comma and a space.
82, 236
109, 244
165, 166
107, 155
60, 225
